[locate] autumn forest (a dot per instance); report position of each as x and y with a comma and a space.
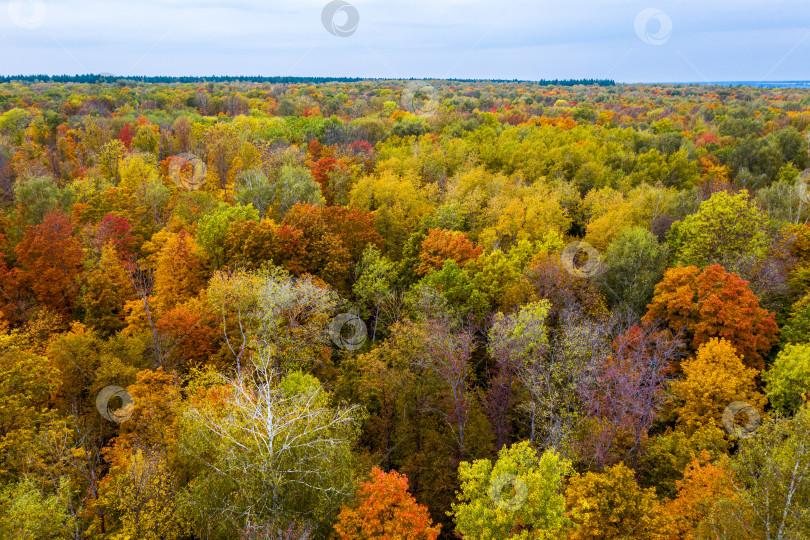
350, 309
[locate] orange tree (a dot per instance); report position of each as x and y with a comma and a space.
383, 508
714, 303
441, 245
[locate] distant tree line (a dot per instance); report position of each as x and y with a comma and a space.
91, 78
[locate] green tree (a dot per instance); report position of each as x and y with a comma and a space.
28, 513
519, 497
797, 329
213, 227
14, 122
635, 264
375, 281
788, 380
295, 185
772, 469
456, 286
37, 197
254, 188
666, 456
728, 230
518, 343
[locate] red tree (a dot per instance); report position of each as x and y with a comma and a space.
320, 173
194, 337
125, 135
714, 303
15, 298
115, 230
354, 227
52, 259
292, 252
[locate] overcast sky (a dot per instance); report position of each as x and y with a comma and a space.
626, 40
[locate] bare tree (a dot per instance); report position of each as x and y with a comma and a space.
142, 279
278, 321
448, 347
270, 531
517, 343
771, 483
269, 456
628, 387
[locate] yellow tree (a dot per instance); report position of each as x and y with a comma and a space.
27, 382
608, 212
523, 213
714, 378
611, 504
139, 493
180, 273
389, 189
108, 289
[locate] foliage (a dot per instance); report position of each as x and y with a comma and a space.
797, 329
771, 497
517, 497
285, 470
725, 230
788, 380
385, 508
611, 505
702, 485
635, 264
714, 304
28, 514
212, 229
324, 202
715, 378
440, 246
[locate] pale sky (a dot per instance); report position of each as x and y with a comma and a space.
626, 40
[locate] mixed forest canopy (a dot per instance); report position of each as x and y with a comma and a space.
304, 308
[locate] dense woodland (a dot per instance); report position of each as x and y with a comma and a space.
403, 310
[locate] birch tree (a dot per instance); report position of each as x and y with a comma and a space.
267, 453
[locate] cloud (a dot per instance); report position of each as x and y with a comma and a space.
529, 39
